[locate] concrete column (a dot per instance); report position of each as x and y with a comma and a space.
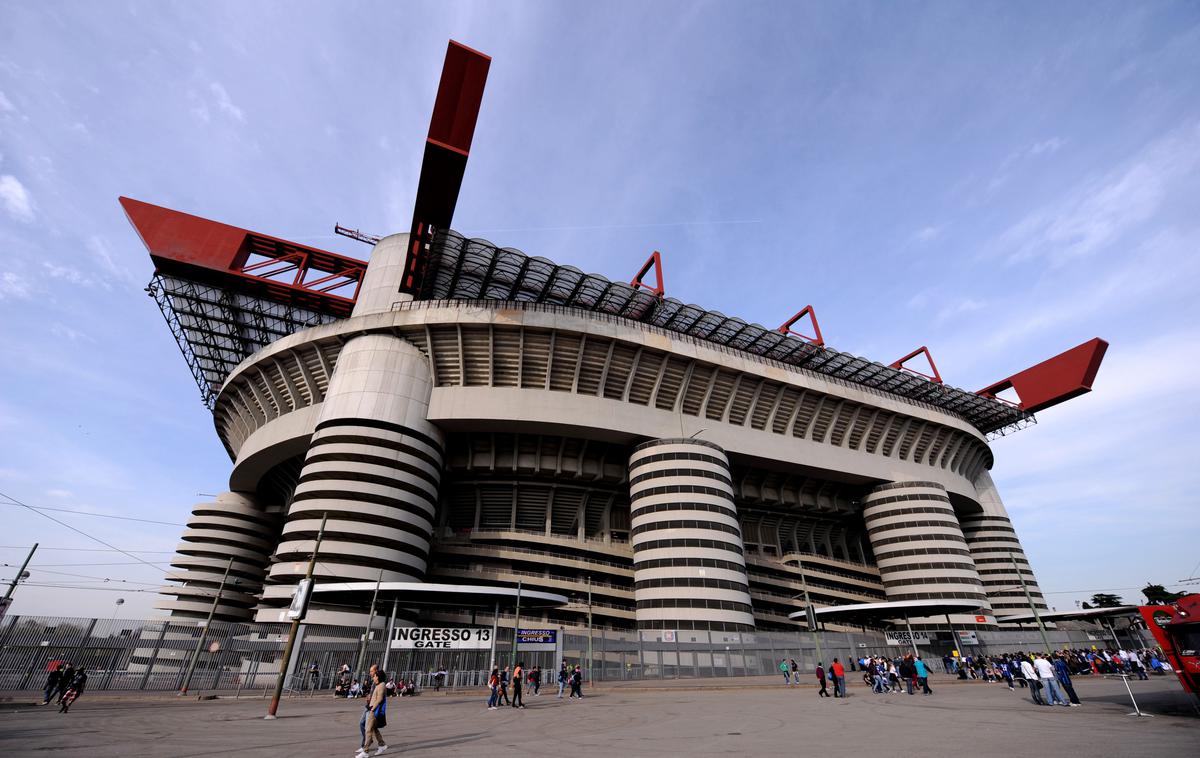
919, 547
234, 525
688, 566
993, 544
380, 289
374, 465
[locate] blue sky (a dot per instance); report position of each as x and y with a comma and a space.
999, 182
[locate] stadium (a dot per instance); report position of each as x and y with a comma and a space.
460, 412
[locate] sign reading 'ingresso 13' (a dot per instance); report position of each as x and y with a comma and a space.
440, 638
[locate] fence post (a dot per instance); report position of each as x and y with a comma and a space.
154, 656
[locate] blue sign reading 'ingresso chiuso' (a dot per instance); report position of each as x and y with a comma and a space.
537, 639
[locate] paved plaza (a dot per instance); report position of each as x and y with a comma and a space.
676, 718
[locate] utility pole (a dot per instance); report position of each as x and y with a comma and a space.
187, 678
809, 612
362, 648
20, 572
516, 625
1036, 616
589, 661
387, 649
291, 640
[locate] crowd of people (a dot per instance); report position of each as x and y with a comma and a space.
1048, 677
64, 684
1079, 662
349, 687
501, 682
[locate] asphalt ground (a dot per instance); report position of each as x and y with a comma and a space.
710, 717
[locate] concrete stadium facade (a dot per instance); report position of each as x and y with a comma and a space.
686, 484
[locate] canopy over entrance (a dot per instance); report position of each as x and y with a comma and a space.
425, 595
1087, 614
866, 613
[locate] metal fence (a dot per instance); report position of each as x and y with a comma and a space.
153, 654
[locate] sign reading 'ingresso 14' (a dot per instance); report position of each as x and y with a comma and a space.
422, 638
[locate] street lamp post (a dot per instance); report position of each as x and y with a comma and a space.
21, 572
187, 678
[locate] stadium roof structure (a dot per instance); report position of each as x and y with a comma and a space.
228, 292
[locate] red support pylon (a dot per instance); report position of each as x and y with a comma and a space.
936, 377
786, 328
655, 262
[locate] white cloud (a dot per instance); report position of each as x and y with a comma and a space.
960, 308
224, 103
65, 273
1050, 146
6, 105
16, 199
59, 493
62, 330
1101, 211
14, 286
928, 233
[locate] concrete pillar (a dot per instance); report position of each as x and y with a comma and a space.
374, 465
232, 526
993, 544
380, 288
920, 549
688, 566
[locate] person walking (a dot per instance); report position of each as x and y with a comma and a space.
562, 679
908, 672
839, 678
1030, 675
354, 688
52, 681
787, 672
376, 716
535, 678
922, 675
64, 682
1063, 673
505, 677
1049, 679
577, 684
518, 681
494, 687
74, 690
795, 669
821, 680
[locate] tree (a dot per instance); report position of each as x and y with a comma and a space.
1105, 600
1156, 594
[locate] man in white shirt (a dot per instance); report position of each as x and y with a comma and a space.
1031, 676
1045, 672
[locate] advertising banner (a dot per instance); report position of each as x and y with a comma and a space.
440, 638
533, 640
968, 638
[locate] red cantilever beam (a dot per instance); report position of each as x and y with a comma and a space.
655, 262
451, 129
935, 377
1055, 380
786, 328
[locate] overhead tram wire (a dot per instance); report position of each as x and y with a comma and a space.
76, 530
92, 550
97, 515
